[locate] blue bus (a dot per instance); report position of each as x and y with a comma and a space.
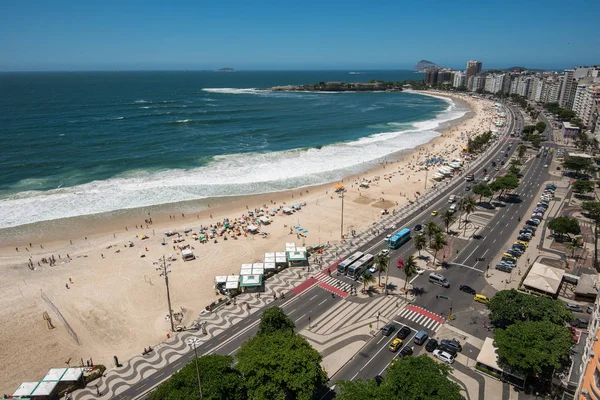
399, 238
343, 266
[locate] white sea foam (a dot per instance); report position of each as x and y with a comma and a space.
183, 121
233, 91
141, 101
145, 107
114, 119
228, 175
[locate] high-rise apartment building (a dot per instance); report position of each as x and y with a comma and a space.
431, 76
473, 68
489, 79
445, 76
478, 82
587, 107
567, 89
460, 79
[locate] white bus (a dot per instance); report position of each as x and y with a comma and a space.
358, 268
343, 266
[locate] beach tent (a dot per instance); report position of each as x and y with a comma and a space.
265, 220
338, 186
25, 389
302, 249
220, 279
252, 228
290, 247
364, 184
297, 258
246, 269
270, 266
251, 281
257, 265
287, 210
280, 259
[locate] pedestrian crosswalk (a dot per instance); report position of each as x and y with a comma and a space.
333, 284
420, 316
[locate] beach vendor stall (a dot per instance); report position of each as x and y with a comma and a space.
252, 283
270, 266
220, 282
280, 259
290, 247
246, 269
287, 210
232, 284
297, 258
270, 257
264, 220
252, 228
188, 255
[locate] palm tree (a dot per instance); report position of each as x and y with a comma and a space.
439, 241
420, 243
367, 280
431, 228
410, 268
468, 205
448, 218
382, 261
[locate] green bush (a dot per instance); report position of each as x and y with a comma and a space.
487, 371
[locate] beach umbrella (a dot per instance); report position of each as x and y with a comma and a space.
305, 231
338, 186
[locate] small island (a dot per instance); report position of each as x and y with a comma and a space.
373, 86
226, 70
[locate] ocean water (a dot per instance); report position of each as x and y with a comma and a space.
85, 143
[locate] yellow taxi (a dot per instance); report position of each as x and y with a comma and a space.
395, 345
523, 243
506, 255
481, 299
434, 213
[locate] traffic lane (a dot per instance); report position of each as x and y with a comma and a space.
374, 357
365, 356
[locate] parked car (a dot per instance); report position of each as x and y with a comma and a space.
523, 243
467, 289
431, 345
573, 307
418, 227
508, 261
443, 356
455, 344
525, 231
531, 222
406, 351
504, 268
516, 251
374, 269
539, 216
542, 205
395, 345
403, 333
513, 252
524, 238
531, 227
387, 330
579, 323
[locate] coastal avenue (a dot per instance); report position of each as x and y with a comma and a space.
316, 301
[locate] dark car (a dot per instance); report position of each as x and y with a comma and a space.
524, 238
526, 231
406, 351
467, 188
453, 343
573, 307
403, 333
530, 227
493, 163
418, 227
579, 323
467, 289
502, 162
504, 268
431, 345
531, 222
387, 330
450, 350
514, 252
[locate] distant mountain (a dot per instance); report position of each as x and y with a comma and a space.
425, 65
226, 70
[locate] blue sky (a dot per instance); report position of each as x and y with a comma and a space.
201, 34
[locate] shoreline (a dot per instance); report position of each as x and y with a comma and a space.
115, 299
72, 228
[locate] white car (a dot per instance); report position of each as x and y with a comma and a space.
384, 252
486, 179
374, 269
420, 271
443, 356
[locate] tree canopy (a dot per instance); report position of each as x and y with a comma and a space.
577, 164
533, 347
564, 226
219, 381
483, 190
274, 320
280, 365
478, 142
415, 378
510, 306
582, 187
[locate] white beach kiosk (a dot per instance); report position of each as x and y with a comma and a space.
56, 380
226, 284
251, 277
280, 259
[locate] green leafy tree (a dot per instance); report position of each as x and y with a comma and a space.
510, 306
419, 378
533, 347
581, 141
431, 229
482, 189
358, 390
564, 226
218, 377
528, 129
468, 205
280, 365
448, 218
513, 169
577, 164
382, 261
438, 243
367, 279
540, 127
593, 209
582, 187
420, 242
522, 149
410, 269
273, 319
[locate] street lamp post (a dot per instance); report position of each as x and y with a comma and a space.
194, 342
165, 272
342, 223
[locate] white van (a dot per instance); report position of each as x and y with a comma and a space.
453, 207
452, 199
438, 279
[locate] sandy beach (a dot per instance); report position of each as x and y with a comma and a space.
114, 299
